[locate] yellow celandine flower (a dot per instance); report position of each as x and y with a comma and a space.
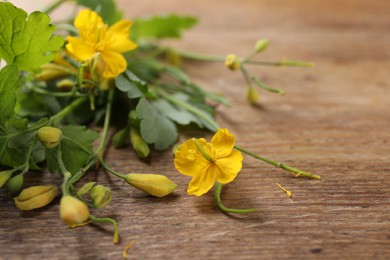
95, 36
208, 162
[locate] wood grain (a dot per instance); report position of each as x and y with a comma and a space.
333, 121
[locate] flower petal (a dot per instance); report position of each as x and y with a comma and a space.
118, 35
115, 63
188, 160
223, 142
79, 49
229, 167
88, 21
202, 182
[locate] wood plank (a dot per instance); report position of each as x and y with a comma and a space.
333, 121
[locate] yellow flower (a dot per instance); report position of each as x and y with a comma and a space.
95, 36
208, 162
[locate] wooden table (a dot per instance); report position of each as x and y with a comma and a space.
333, 121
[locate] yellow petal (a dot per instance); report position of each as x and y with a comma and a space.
202, 182
188, 160
118, 35
79, 49
229, 167
88, 20
223, 142
115, 64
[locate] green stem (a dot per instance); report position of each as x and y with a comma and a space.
55, 120
107, 120
54, 6
66, 27
246, 75
97, 154
109, 220
217, 196
289, 63
200, 56
57, 94
65, 172
212, 125
268, 88
296, 172
108, 168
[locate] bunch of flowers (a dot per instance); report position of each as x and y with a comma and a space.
55, 89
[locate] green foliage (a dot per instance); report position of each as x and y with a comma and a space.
76, 148
130, 83
106, 8
9, 84
155, 127
158, 27
26, 43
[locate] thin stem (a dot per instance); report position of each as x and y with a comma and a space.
266, 87
107, 119
288, 63
109, 220
65, 172
247, 75
67, 110
200, 56
54, 6
296, 172
57, 94
108, 168
217, 196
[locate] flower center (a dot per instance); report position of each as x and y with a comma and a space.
202, 151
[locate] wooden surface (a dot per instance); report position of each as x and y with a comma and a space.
333, 121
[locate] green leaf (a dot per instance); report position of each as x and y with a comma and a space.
169, 26
155, 127
176, 114
106, 8
9, 84
76, 147
130, 83
26, 43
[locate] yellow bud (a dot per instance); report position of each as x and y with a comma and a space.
138, 143
173, 58
49, 136
51, 71
35, 197
252, 96
97, 65
73, 211
154, 184
232, 62
65, 84
100, 195
4, 177
261, 45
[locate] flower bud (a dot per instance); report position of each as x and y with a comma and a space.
15, 183
100, 195
232, 62
65, 84
261, 45
119, 139
73, 211
153, 184
252, 96
51, 71
97, 65
49, 136
139, 145
35, 197
4, 177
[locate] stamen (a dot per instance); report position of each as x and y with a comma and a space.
202, 151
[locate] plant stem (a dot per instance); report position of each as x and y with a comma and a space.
296, 172
110, 220
107, 120
108, 168
54, 6
217, 196
55, 120
289, 63
200, 56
